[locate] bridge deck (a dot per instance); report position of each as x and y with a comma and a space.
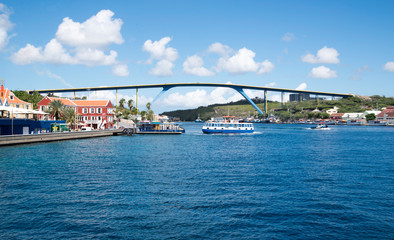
172, 85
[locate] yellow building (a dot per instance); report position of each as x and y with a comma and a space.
19, 107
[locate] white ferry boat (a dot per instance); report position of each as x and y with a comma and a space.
227, 124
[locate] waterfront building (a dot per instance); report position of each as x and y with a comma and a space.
8, 99
97, 114
387, 115
363, 116
336, 116
351, 116
332, 110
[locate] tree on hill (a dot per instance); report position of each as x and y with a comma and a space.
122, 102
130, 104
34, 98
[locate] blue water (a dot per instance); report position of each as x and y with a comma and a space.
283, 182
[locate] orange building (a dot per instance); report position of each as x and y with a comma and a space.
8, 99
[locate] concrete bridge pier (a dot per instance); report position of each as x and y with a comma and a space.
265, 101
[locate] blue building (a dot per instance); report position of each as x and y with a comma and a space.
10, 126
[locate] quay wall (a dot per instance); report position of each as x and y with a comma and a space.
49, 137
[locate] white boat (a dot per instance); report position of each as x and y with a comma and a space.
198, 120
227, 124
319, 126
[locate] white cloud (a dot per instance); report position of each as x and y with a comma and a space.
222, 50
165, 56
324, 55
55, 53
120, 70
163, 68
322, 72
273, 84
27, 55
5, 25
54, 76
265, 67
302, 86
201, 97
86, 40
97, 32
359, 71
389, 66
242, 62
95, 57
194, 65
288, 37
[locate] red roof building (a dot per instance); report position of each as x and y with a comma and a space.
336, 116
97, 114
387, 115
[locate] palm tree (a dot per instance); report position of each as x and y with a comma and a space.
143, 115
69, 115
130, 104
122, 102
148, 105
149, 112
56, 109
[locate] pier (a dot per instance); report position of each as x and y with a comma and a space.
50, 137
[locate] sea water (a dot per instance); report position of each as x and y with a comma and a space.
282, 182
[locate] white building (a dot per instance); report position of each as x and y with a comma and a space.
332, 110
352, 116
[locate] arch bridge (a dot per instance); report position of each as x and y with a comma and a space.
167, 86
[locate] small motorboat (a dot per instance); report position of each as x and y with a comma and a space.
319, 126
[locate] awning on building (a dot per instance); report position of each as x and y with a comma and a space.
21, 110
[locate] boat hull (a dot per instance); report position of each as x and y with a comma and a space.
226, 131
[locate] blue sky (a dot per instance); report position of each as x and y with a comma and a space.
334, 46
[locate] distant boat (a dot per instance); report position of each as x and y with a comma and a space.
319, 126
198, 120
227, 124
159, 128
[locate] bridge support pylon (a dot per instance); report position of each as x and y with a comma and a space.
241, 91
165, 89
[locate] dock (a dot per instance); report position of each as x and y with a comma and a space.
9, 140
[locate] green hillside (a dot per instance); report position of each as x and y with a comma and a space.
291, 110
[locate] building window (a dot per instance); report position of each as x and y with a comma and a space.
91, 110
109, 110
11, 97
99, 110
84, 110
86, 118
93, 118
99, 118
109, 119
17, 106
